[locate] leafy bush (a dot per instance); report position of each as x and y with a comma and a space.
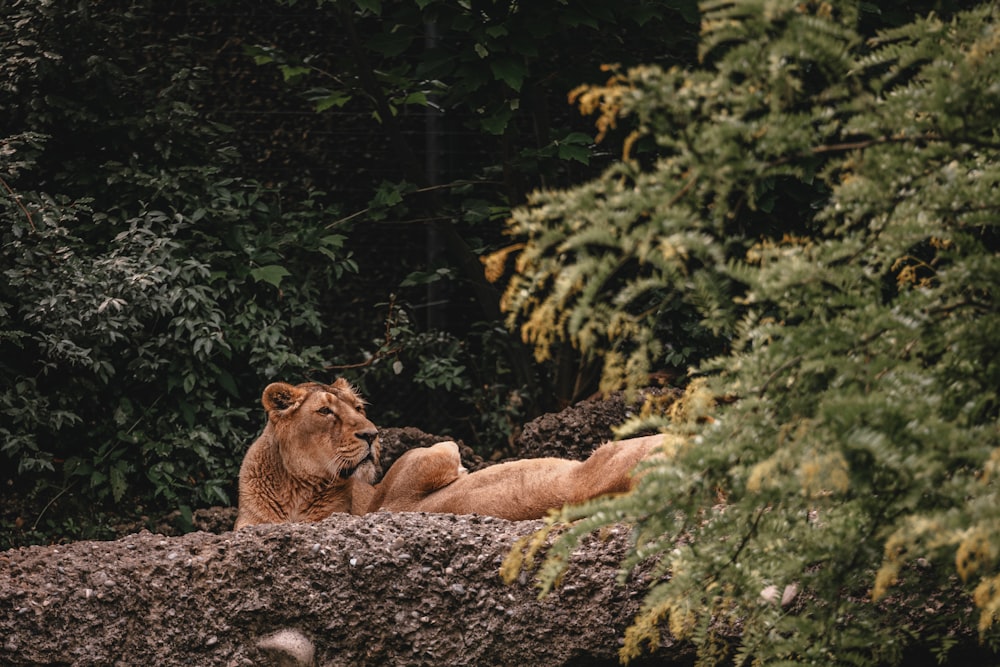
470, 99
148, 294
830, 201
460, 387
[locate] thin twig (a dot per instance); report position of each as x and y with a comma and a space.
778, 371
683, 191
17, 199
750, 533
97, 461
386, 351
429, 188
56, 497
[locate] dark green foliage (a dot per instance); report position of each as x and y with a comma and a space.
471, 100
182, 225
437, 373
830, 201
147, 294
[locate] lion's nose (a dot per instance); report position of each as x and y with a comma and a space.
367, 435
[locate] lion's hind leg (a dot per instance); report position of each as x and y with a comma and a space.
418, 473
447, 460
609, 468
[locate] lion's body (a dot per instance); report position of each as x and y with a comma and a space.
318, 455
432, 479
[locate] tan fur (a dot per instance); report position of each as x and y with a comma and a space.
318, 455
432, 479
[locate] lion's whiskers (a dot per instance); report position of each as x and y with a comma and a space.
336, 466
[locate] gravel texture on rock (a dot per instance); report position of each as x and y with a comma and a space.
575, 432
382, 589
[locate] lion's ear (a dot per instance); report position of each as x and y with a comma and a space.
281, 396
341, 383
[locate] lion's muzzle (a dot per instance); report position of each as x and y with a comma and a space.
369, 436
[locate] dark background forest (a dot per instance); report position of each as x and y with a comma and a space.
480, 212
202, 197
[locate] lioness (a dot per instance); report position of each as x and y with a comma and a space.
432, 479
317, 455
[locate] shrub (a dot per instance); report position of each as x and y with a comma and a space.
148, 293
831, 200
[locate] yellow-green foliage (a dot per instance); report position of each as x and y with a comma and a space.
829, 201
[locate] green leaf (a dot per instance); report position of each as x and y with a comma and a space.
509, 70
337, 99
272, 274
497, 122
333, 241
390, 44
187, 413
217, 491
117, 480
420, 99
389, 193
293, 72
374, 6
260, 55
574, 152
425, 277
578, 138
186, 518
436, 65
330, 254
688, 9
227, 382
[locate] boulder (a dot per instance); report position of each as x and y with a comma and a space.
381, 589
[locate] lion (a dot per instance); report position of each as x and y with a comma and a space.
432, 479
318, 454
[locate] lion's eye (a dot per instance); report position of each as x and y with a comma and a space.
325, 411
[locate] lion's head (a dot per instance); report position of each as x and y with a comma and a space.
317, 444
322, 430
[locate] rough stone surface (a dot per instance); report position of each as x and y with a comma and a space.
382, 589
579, 429
395, 441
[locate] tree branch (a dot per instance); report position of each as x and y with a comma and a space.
17, 200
